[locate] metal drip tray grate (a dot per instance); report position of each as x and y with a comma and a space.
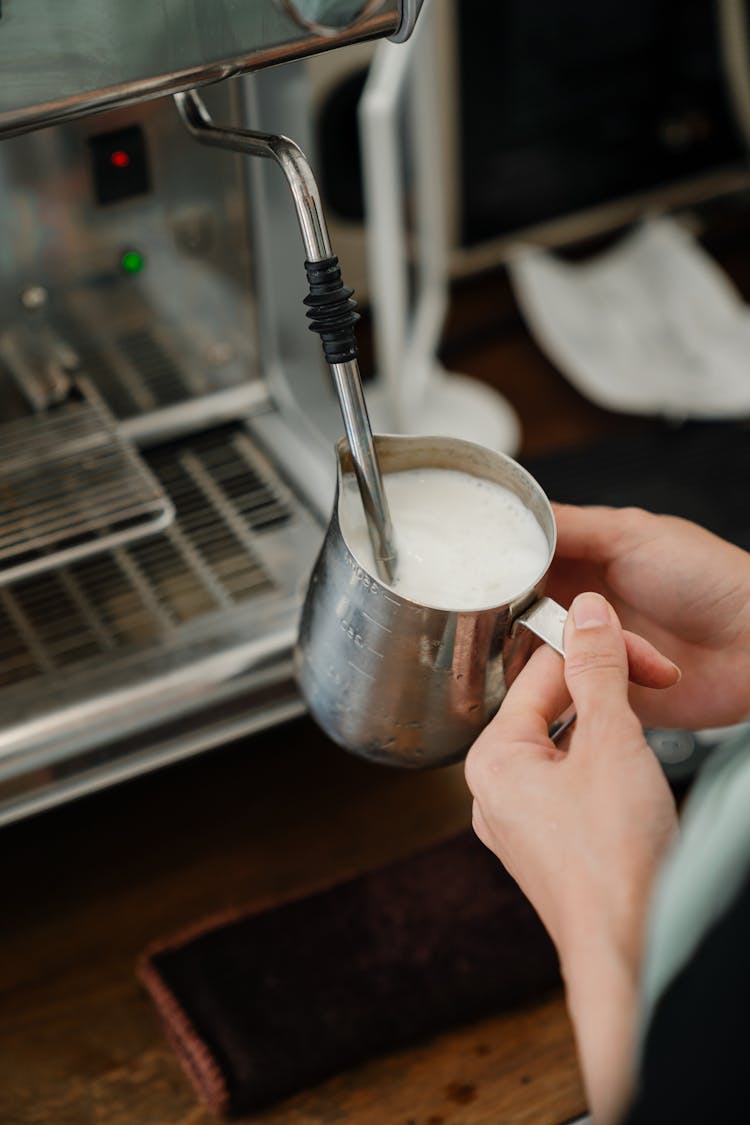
70, 487
211, 559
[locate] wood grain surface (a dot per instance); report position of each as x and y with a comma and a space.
88, 886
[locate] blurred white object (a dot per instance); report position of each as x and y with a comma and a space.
651, 326
412, 392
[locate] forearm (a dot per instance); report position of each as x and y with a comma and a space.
583, 830
602, 996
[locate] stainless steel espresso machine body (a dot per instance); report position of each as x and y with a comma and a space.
166, 419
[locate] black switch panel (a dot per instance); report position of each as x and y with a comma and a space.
120, 164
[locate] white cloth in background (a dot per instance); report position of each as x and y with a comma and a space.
650, 326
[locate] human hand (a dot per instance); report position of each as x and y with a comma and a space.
581, 829
684, 589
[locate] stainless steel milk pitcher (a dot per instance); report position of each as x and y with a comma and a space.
403, 683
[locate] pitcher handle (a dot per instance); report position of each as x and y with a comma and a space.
546, 620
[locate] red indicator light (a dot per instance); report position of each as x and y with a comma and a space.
119, 158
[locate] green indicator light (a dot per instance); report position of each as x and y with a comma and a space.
132, 262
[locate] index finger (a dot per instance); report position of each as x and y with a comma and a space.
587, 533
537, 697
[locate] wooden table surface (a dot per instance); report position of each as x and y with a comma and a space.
86, 887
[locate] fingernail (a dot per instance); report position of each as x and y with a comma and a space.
590, 611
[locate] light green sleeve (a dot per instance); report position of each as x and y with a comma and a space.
704, 870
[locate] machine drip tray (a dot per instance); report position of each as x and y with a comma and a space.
71, 487
141, 654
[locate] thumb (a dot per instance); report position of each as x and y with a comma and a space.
596, 662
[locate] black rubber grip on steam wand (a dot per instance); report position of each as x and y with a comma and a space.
331, 310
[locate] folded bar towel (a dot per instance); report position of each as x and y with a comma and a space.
264, 1004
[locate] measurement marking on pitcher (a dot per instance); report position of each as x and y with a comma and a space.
374, 622
351, 632
360, 670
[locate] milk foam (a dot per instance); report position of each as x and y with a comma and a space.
463, 543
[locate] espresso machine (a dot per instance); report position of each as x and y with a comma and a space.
167, 420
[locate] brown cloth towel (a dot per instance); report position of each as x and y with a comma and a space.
263, 1005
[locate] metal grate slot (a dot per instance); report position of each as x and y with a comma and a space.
249, 493
70, 487
132, 371
54, 619
120, 398
192, 479
16, 660
114, 599
154, 368
180, 589
143, 593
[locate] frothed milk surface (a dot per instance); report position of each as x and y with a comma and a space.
463, 542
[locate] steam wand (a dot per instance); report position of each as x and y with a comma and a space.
331, 309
